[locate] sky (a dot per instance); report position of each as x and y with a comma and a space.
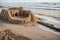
29, 0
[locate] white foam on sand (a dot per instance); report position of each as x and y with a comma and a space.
49, 20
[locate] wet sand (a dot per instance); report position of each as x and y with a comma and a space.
42, 11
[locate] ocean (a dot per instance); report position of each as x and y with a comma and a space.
31, 4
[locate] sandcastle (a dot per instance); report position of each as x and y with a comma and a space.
18, 15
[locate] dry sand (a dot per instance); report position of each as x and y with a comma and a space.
29, 31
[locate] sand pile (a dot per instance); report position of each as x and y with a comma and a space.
8, 35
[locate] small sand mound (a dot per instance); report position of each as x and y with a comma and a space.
8, 35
